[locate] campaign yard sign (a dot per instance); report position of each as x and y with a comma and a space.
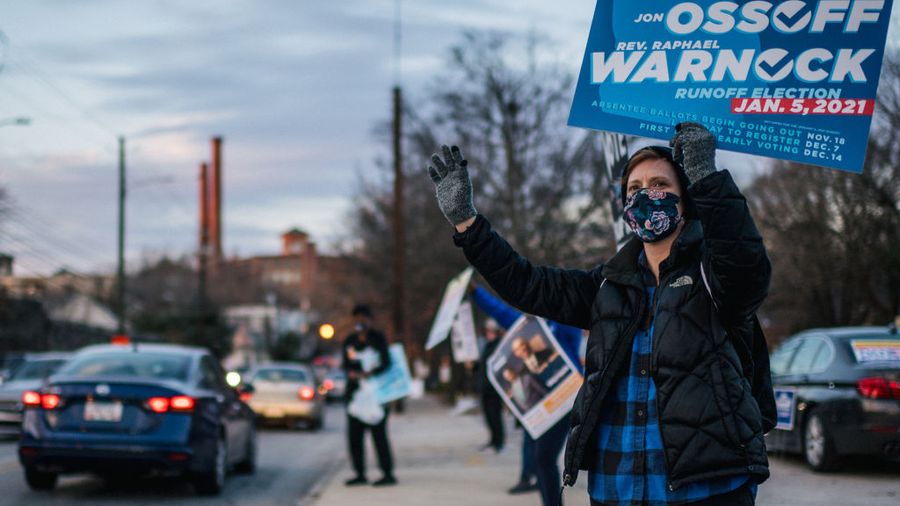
794, 80
785, 404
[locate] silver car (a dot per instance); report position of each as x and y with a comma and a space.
28, 375
286, 393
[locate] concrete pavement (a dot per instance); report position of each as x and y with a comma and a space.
439, 463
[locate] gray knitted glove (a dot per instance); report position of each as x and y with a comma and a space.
453, 186
694, 147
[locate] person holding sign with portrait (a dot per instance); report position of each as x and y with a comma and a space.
543, 451
667, 413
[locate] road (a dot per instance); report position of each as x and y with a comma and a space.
290, 464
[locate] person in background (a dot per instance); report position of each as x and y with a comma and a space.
491, 403
366, 341
546, 449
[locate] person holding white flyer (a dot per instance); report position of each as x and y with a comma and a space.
365, 354
669, 411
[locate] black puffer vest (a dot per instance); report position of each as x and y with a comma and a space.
710, 423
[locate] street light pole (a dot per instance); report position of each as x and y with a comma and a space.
120, 293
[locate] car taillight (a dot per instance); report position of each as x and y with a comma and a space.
181, 403
158, 404
878, 388
306, 393
245, 396
328, 384
31, 399
49, 401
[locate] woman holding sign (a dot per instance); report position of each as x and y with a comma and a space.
667, 413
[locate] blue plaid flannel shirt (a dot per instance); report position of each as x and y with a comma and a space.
630, 467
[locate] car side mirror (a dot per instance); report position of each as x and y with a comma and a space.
245, 388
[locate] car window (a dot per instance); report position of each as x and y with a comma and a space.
281, 375
781, 357
806, 355
129, 363
35, 369
824, 357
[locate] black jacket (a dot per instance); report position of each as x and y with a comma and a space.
711, 424
377, 342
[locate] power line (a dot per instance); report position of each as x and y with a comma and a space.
42, 75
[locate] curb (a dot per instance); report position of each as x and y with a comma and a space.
315, 492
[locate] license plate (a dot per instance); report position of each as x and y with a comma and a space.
102, 411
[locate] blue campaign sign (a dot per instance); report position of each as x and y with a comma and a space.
785, 402
794, 80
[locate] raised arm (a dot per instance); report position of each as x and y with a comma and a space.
495, 308
556, 294
734, 257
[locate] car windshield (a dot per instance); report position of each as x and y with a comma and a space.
280, 375
130, 364
876, 348
35, 369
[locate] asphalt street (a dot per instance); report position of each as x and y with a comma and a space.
291, 463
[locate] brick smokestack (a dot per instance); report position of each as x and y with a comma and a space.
215, 201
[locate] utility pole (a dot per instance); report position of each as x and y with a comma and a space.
120, 294
203, 254
398, 302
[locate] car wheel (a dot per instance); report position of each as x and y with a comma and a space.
212, 480
39, 480
248, 465
317, 423
818, 445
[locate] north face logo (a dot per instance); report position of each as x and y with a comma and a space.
682, 281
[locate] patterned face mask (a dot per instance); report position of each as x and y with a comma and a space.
652, 214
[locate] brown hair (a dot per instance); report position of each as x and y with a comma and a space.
658, 153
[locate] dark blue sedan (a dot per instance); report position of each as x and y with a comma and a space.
137, 409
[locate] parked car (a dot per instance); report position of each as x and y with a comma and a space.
837, 392
135, 409
286, 393
29, 374
334, 385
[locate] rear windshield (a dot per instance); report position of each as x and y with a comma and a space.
874, 349
130, 364
36, 369
280, 375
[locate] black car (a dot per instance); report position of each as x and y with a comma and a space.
838, 393
135, 409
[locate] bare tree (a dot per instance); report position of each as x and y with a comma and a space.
542, 184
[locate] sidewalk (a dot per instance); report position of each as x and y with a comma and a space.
438, 463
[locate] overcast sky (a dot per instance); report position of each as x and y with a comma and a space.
294, 86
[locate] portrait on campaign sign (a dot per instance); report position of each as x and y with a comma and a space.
794, 80
534, 377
